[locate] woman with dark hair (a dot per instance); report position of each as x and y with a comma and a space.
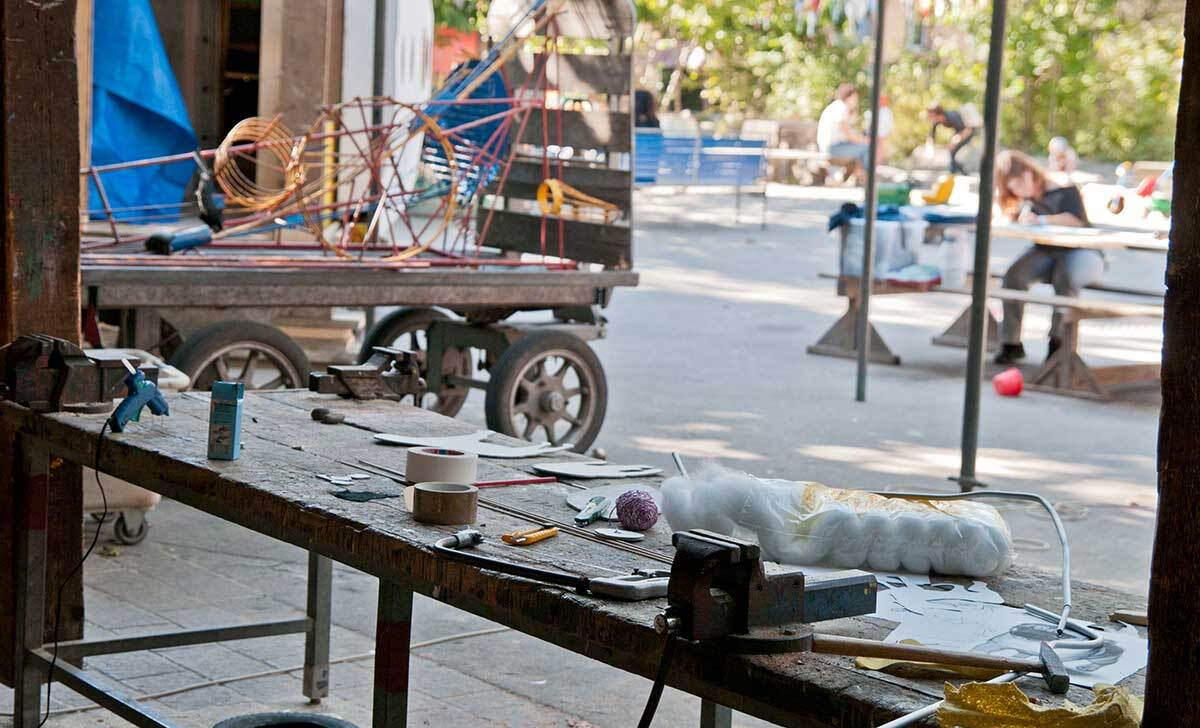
1028, 196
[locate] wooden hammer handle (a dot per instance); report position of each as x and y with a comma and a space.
854, 647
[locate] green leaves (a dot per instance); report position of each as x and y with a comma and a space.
1103, 73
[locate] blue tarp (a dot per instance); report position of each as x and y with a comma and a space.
137, 111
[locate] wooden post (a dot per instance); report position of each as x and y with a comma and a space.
1173, 680
39, 256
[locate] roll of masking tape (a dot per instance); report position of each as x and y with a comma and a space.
450, 504
438, 464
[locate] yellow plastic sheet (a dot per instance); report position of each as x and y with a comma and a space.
977, 705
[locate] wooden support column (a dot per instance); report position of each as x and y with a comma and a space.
300, 59
39, 258
1173, 680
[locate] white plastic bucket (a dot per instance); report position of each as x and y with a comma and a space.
955, 258
891, 251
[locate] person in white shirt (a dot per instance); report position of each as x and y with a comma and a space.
887, 122
1062, 156
836, 135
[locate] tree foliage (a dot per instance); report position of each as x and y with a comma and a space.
1103, 73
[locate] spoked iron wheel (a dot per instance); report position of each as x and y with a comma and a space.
407, 329
257, 355
548, 387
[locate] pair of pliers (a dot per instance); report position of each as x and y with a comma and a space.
530, 535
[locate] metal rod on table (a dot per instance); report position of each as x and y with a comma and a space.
983, 231
1059, 529
862, 339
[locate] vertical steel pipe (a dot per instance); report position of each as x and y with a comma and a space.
983, 238
862, 339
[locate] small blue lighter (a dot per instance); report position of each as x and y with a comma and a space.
225, 420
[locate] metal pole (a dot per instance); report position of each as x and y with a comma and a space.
983, 237
862, 340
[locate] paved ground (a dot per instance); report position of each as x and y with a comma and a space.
707, 357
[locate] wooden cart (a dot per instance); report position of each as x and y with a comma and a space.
545, 382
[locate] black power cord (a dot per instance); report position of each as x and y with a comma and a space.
660, 681
66, 580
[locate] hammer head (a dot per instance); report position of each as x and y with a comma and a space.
1053, 670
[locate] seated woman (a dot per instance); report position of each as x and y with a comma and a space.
1027, 196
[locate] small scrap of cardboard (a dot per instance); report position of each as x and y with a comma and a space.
979, 705
907, 668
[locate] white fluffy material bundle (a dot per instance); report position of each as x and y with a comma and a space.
808, 523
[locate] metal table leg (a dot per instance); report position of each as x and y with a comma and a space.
316, 641
713, 715
392, 636
33, 505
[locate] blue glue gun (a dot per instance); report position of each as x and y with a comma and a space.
142, 393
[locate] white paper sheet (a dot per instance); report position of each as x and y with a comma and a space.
973, 619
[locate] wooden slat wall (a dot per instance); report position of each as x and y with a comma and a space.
596, 19
581, 130
611, 185
608, 245
39, 267
606, 81
598, 74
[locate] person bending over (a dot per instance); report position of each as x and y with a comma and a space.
1027, 196
835, 130
963, 132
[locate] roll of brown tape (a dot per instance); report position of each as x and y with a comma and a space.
449, 504
440, 465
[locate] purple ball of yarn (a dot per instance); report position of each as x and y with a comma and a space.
637, 510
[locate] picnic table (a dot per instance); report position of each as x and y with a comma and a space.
273, 489
1062, 236
1065, 372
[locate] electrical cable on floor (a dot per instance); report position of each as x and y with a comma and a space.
283, 670
79, 566
660, 681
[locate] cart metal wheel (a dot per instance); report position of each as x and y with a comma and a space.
407, 328
258, 355
132, 530
549, 386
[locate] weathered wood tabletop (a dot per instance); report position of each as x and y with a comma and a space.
1060, 236
273, 489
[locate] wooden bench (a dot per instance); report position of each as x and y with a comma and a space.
814, 163
1063, 373
699, 161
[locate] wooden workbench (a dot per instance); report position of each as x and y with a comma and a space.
272, 489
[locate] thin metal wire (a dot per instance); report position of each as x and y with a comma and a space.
1012, 495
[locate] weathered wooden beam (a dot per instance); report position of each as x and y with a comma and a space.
39, 183
300, 59
1173, 681
609, 245
191, 32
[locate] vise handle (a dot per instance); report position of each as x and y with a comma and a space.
1049, 666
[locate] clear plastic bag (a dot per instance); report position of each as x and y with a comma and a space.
809, 523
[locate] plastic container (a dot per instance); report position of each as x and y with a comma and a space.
955, 255
891, 250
